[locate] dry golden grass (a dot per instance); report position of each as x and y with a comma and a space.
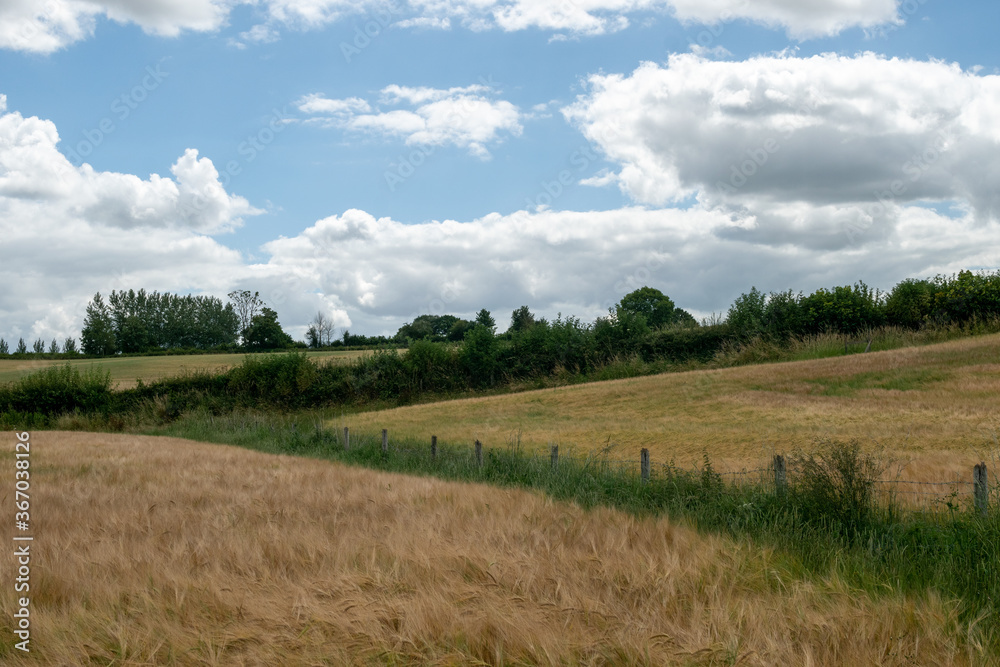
935, 406
157, 551
126, 370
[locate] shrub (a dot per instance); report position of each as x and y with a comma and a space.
58, 389
681, 345
479, 357
382, 376
529, 351
621, 333
279, 379
846, 310
783, 317
571, 344
910, 303
430, 366
836, 486
966, 296
746, 315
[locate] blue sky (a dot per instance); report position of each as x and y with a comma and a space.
524, 154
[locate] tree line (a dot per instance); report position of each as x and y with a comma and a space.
853, 309
848, 310
643, 333
135, 322
647, 326
141, 322
645, 321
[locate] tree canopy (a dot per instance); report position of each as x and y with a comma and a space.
521, 319
136, 322
434, 328
655, 307
265, 333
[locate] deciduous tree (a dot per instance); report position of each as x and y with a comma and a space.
265, 333
656, 307
320, 332
247, 305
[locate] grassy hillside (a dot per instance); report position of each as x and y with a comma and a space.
170, 552
126, 370
936, 403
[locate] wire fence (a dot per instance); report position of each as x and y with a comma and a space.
938, 495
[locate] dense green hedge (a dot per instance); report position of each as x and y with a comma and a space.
56, 390
852, 309
685, 344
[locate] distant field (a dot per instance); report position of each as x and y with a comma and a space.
161, 551
936, 404
126, 370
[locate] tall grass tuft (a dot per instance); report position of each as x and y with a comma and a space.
836, 486
764, 349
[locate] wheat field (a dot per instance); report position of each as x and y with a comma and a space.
932, 410
125, 371
160, 551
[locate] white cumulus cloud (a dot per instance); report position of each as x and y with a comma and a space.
45, 27
800, 19
595, 17
35, 176
467, 117
861, 134
76, 230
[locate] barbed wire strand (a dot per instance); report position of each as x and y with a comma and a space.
658, 470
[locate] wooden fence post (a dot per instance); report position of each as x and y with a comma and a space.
434, 447
644, 464
479, 454
385, 441
780, 477
980, 488
347, 438
555, 457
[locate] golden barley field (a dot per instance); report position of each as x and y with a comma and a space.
935, 409
126, 370
160, 551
